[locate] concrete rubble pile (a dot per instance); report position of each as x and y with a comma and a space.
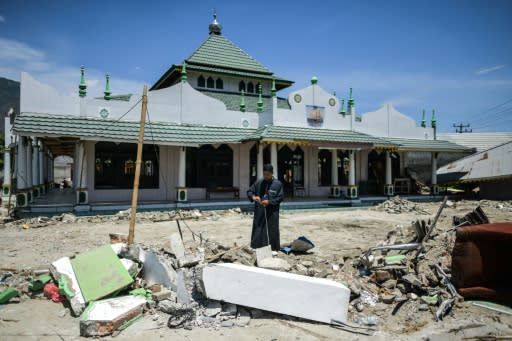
120, 217
111, 287
397, 205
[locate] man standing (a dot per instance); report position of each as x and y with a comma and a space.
267, 194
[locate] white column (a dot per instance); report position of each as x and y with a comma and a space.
434, 169
7, 153
273, 158
351, 168
182, 181
388, 169
259, 164
22, 164
41, 163
83, 170
35, 162
334, 167
28, 151
77, 165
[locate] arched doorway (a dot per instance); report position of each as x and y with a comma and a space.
291, 169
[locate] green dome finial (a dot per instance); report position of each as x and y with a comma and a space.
107, 88
82, 87
314, 80
242, 101
184, 72
423, 120
342, 108
434, 121
260, 99
273, 91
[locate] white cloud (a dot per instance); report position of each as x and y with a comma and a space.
16, 57
2, 19
490, 69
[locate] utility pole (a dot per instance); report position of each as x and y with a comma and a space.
462, 128
140, 144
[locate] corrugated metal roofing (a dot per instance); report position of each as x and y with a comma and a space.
492, 164
428, 145
125, 131
480, 141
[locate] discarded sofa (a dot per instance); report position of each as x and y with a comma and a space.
481, 262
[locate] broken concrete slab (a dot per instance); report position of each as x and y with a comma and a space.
213, 308
130, 266
277, 264
157, 270
100, 273
310, 298
164, 294
182, 292
177, 247
103, 317
62, 271
188, 261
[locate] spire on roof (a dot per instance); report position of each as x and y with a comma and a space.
107, 88
434, 121
273, 90
342, 108
423, 120
260, 99
215, 27
350, 100
82, 87
184, 72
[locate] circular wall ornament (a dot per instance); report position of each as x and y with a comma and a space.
104, 113
245, 123
332, 102
297, 98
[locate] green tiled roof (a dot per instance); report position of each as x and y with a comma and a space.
219, 51
299, 134
232, 101
428, 145
125, 131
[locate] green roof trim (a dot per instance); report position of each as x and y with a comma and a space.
232, 100
428, 145
219, 51
303, 134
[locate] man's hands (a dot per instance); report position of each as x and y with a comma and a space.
256, 198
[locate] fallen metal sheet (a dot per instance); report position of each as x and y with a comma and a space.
158, 271
103, 317
100, 273
311, 298
62, 271
492, 306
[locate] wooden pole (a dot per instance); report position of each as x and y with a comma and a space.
140, 144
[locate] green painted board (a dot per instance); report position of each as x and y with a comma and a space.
99, 273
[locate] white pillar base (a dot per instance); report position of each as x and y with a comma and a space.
82, 196
352, 192
335, 191
434, 190
389, 190
22, 199
181, 194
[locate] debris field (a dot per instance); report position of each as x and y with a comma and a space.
192, 274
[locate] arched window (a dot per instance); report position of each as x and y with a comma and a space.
241, 86
257, 88
210, 83
219, 84
250, 87
200, 82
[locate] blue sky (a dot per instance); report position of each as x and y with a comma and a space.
452, 56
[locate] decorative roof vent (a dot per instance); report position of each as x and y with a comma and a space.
215, 27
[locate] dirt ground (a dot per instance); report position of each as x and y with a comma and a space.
337, 233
